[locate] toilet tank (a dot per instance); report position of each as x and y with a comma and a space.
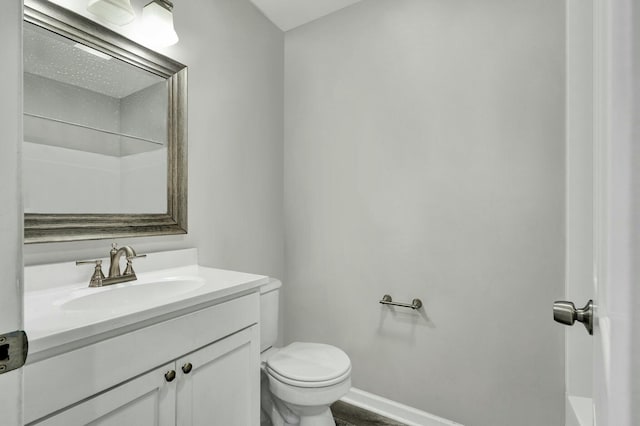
269, 309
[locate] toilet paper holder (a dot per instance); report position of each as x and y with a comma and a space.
415, 303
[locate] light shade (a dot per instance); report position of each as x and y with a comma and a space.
157, 20
118, 12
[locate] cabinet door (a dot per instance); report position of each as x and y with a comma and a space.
148, 400
219, 385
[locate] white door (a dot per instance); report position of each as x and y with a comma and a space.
10, 205
616, 200
602, 95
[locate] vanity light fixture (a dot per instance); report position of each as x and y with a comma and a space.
157, 20
118, 12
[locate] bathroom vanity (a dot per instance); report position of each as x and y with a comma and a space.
177, 345
180, 345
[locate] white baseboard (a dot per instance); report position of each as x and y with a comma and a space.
393, 410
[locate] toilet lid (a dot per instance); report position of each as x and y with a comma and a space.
309, 363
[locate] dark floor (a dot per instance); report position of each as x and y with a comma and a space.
349, 415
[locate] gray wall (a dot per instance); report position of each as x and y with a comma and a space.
424, 157
635, 306
50, 98
235, 60
143, 113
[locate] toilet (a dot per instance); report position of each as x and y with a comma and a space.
299, 381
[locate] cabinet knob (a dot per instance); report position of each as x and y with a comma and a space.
170, 375
186, 369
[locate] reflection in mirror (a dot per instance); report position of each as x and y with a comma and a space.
95, 130
105, 141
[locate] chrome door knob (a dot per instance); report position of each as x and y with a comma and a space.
566, 313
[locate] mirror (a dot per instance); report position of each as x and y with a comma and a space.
104, 152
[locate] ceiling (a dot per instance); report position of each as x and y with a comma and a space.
289, 14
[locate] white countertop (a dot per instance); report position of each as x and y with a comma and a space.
55, 325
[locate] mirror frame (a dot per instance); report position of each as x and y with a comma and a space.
43, 227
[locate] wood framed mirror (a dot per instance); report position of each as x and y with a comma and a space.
105, 132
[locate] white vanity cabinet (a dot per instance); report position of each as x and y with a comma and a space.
148, 400
213, 353
216, 385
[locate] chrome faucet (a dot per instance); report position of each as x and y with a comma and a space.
115, 254
115, 276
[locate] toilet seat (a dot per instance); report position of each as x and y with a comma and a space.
303, 384
309, 365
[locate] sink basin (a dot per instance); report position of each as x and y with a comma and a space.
123, 296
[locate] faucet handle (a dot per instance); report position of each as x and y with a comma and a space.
98, 276
129, 268
135, 256
97, 262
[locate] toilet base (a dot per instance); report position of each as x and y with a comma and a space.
324, 418
275, 412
